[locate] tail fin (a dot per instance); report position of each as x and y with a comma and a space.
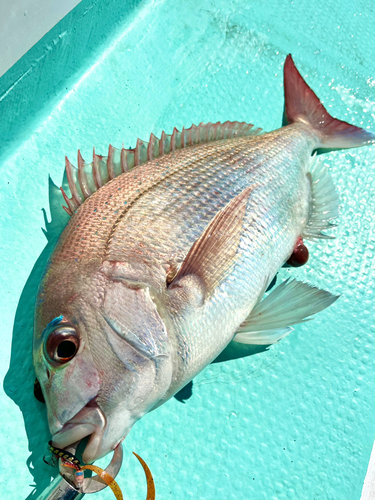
302, 105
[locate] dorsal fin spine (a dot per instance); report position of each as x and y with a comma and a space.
225, 129
137, 153
88, 178
70, 208
206, 130
82, 178
110, 166
173, 139
71, 182
194, 135
124, 163
150, 149
189, 137
183, 138
95, 170
218, 131
214, 135
162, 143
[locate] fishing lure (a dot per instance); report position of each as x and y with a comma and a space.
70, 460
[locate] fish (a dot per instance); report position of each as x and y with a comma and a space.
166, 259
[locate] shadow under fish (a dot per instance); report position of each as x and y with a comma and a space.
20, 378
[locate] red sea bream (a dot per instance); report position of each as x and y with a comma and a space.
167, 256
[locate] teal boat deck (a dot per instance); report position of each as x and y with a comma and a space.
293, 422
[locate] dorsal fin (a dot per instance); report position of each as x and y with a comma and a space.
89, 177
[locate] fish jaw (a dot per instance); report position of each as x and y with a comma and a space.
115, 430
103, 434
90, 421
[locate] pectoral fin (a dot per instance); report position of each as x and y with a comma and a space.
213, 255
290, 303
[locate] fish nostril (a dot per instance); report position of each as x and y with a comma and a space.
48, 374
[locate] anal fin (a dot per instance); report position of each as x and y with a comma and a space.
262, 337
290, 303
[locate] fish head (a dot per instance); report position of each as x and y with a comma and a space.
101, 354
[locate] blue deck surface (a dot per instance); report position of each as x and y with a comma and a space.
293, 422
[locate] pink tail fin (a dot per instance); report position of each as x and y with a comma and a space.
302, 105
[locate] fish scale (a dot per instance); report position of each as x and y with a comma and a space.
96, 219
154, 232
96, 223
162, 267
268, 240
182, 221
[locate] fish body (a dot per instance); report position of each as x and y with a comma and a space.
158, 269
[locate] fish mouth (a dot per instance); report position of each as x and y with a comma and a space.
90, 421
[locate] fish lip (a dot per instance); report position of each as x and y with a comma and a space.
90, 421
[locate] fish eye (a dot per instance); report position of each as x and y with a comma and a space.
62, 344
